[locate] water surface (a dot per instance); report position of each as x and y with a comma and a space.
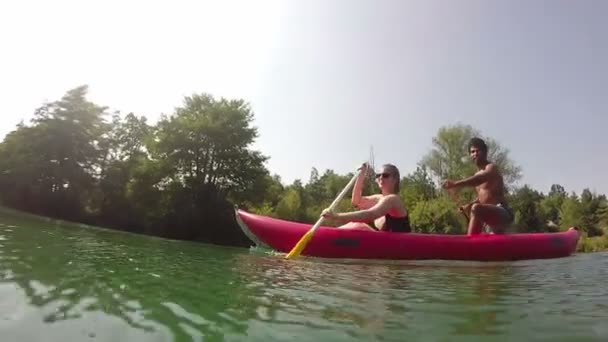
74, 283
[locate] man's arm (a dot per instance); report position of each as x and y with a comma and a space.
478, 178
476, 200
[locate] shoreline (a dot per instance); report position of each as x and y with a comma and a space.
592, 244
585, 244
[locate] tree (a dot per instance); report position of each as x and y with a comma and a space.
417, 186
571, 212
174, 179
591, 205
529, 215
74, 128
602, 214
22, 170
270, 191
126, 140
551, 204
124, 150
438, 215
201, 165
557, 190
208, 140
289, 208
53, 163
449, 157
182, 177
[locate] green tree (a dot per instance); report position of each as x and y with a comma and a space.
266, 195
314, 186
571, 212
602, 214
208, 141
289, 207
202, 164
438, 215
557, 190
127, 138
181, 177
591, 205
449, 157
526, 205
551, 204
417, 186
22, 170
124, 151
53, 164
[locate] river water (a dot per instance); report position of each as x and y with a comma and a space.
62, 282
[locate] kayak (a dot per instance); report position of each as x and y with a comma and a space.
331, 242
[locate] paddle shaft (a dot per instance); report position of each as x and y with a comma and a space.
455, 198
338, 199
299, 247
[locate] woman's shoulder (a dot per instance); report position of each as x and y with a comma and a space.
375, 197
394, 199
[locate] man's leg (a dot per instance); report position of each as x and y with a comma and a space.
475, 223
484, 213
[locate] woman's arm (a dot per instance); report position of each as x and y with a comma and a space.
356, 197
379, 209
362, 202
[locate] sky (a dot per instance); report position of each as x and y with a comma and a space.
327, 79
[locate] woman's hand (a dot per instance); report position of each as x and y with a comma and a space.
366, 170
329, 214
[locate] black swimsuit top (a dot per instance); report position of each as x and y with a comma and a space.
397, 224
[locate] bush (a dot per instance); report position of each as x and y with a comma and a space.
439, 215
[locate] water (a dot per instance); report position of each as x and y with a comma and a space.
71, 283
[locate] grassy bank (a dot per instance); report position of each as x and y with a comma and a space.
37, 219
585, 245
592, 244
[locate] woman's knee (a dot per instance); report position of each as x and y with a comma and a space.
355, 225
350, 225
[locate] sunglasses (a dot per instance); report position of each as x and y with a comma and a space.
383, 175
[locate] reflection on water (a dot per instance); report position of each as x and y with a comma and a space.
74, 283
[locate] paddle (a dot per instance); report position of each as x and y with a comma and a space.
510, 228
299, 247
455, 198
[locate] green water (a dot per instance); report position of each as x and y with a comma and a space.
71, 283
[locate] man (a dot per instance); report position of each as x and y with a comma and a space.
490, 207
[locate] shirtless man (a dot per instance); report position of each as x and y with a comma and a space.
490, 207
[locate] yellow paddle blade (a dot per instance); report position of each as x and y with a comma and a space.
299, 247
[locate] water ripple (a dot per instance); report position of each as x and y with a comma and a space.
88, 284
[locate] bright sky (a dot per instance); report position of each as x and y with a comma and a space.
329, 78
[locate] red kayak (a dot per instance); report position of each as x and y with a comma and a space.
330, 242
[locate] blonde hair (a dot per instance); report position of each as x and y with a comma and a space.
394, 171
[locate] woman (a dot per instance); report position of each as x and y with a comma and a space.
385, 209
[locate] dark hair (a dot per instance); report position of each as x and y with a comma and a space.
394, 171
479, 143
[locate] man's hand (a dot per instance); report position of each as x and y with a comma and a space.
449, 184
466, 208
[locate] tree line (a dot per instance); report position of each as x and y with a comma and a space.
181, 177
